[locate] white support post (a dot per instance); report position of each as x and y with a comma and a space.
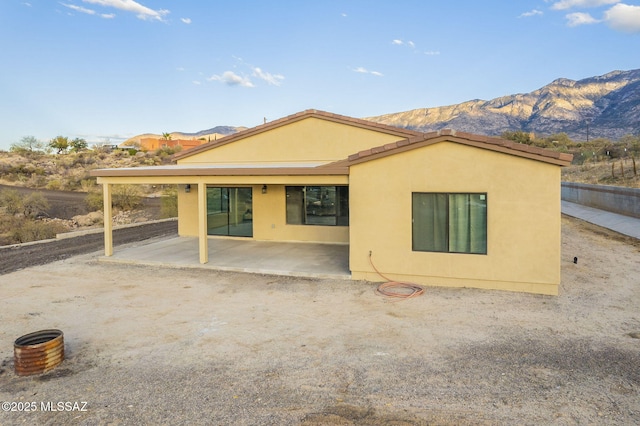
203, 243
108, 221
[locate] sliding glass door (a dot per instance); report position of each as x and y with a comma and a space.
229, 211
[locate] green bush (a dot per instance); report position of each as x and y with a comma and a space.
35, 230
126, 197
169, 202
54, 185
123, 197
11, 200
93, 200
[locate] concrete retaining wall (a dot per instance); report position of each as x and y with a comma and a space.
615, 199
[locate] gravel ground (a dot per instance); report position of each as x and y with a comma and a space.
19, 256
149, 346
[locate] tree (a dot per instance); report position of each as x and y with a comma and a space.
166, 136
560, 139
78, 144
27, 143
60, 143
517, 136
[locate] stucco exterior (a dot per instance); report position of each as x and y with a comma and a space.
382, 167
523, 224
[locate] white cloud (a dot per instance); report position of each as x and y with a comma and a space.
196, 82
534, 12
408, 43
569, 4
27, 4
186, 20
142, 12
432, 52
363, 70
344, 15
79, 9
273, 79
88, 11
579, 18
623, 17
232, 79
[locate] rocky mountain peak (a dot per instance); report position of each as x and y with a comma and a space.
604, 106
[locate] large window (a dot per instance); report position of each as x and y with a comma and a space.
229, 211
318, 205
450, 223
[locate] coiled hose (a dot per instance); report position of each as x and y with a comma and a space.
396, 289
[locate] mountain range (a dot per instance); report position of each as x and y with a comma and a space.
606, 106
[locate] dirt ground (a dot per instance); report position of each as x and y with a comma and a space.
149, 346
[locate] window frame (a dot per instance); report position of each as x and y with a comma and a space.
339, 190
448, 223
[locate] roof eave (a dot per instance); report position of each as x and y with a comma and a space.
206, 171
478, 141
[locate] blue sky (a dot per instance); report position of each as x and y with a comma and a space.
106, 70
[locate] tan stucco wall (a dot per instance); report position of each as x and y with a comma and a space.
269, 218
523, 222
309, 140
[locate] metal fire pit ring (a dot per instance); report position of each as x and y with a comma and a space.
38, 352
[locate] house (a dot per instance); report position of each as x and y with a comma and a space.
152, 144
442, 208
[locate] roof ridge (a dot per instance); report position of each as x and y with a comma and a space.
291, 118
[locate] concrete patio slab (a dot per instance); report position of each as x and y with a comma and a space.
241, 255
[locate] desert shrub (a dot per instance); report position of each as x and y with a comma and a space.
126, 197
19, 172
11, 200
35, 205
71, 183
169, 202
88, 184
37, 181
83, 159
7, 224
123, 197
54, 185
35, 230
93, 200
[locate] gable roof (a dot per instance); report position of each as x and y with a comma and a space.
310, 113
447, 135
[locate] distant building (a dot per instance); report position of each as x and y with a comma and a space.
152, 144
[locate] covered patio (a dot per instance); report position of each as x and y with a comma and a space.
240, 255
